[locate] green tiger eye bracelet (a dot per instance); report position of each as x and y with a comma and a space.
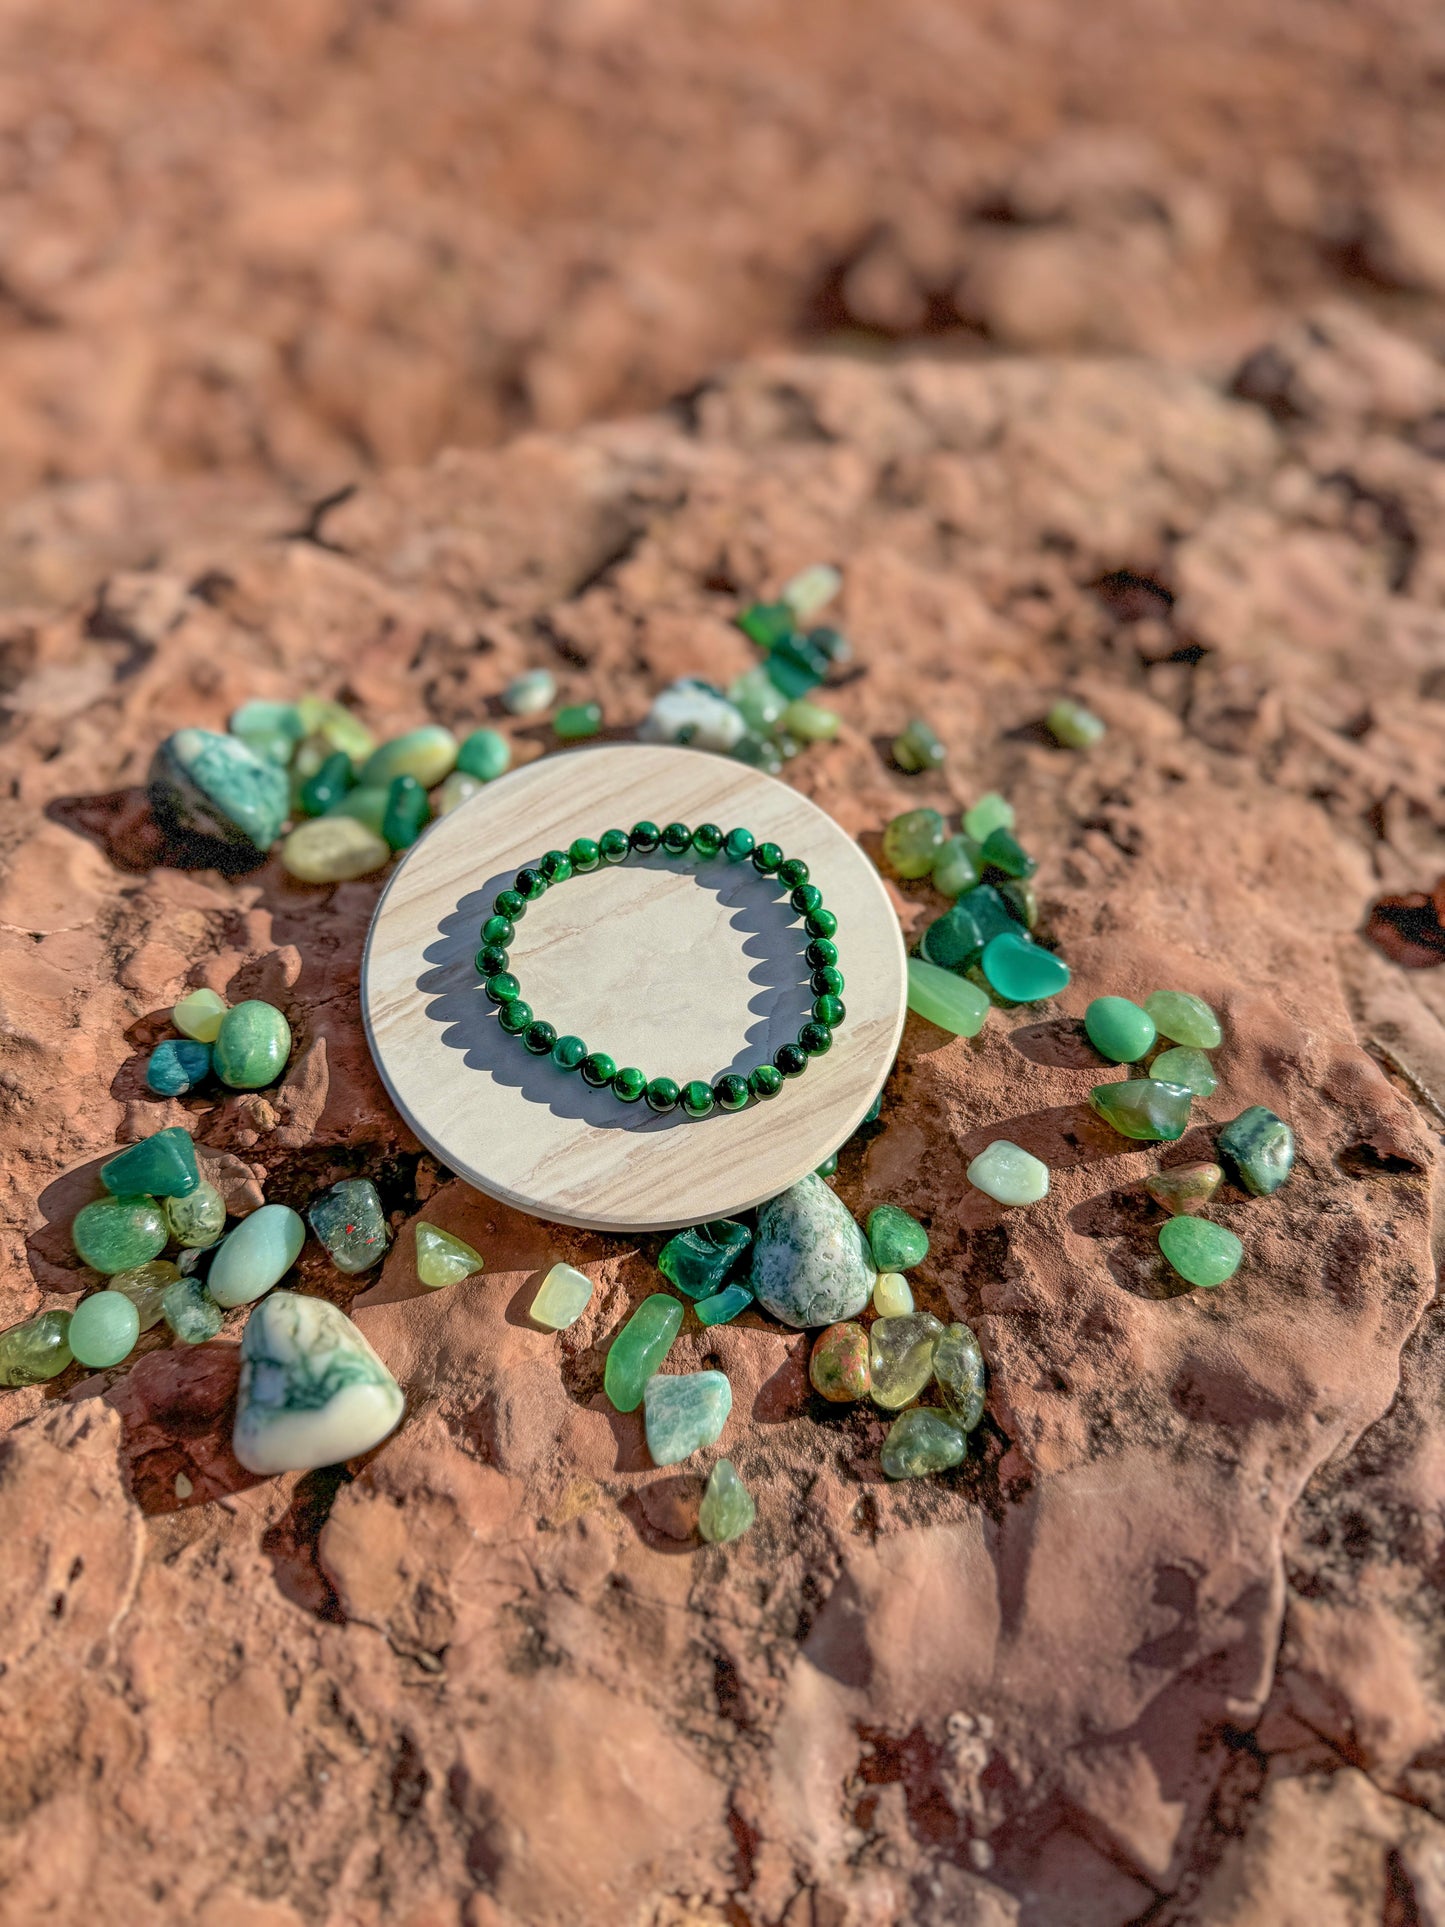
731, 1090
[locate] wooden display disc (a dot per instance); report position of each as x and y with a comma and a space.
681, 967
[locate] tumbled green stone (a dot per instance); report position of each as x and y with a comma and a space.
701, 1260
838, 1363
530, 693
1258, 1148
37, 1350
1203, 1253
1009, 1174
1144, 1108
639, 1348
917, 748
199, 1014
683, 1412
663, 1094
727, 1508
1002, 851
1023, 971
160, 1166
254, 1254
312, 1391
956, 939
796, 664
759, 752
577, 721
951, 1002
515, 1017
724, 1305
145, 1287
1120, 1030
828, 1166
252, 1045
178, 1065
912, 842
765, 1080
629, 1084
920, 1442
757, 699
442, 1258
197, 1219
349, 1221
453, 791
270, 730
1187, 1066
539, 1037
568, 1053
1184, 1019
485, 754
892, 1295
991, 812
1184, 1187
205, 784
959, 1374
614, 846
334, 849
366, 805
809, 722
896, 1238
766, 623
191, 1312
117, 1234
730, 1091
103, 1329
957, 866
598, 1069
563, 1296
900, 1357
335, 725
1021, 900
331, 782
739, 844
407, 811
426, 755
811, 1262
1075, 727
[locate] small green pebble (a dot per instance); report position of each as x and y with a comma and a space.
485, 754
366, 805
252, 1045
701, 1260
911, 843
1145, 1108
1021, 970
1258, 1147
892, 1295
191, 1312
811, 590
797, 664
639, 1348
958, 1372
37, 1350
453, 791
177, 1066
336, 848
577, 721
767, 623
254, 1254
723, 1306
1184, 1019
530, 693
197, 1219
427, 755
1120, 1030
1202, 1253
1075, 727
951, 1002
896, 1238
334, 723
1184, 1187
727, 1508
407, 811
956, 939
1187, 1066
1001, 850
759, 752
1009, 1174
916, 748
900, 1357
103, 1329
1021, 900
683, 1412
270, 730
160, 1166
199, 1015
920, 1442
146, 1287
331, 782
957, 867
809, 722
563, 1296
442, 1258
991, 812
117, 1234
757, 699
829, 1165
349, 1221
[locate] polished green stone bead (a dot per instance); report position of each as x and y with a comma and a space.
949, 1001
1009, 1174
645, 837
252, 1045
485, 754
1021, 899
331, 782
739, 844
991, 812
349, 1220
510, 905
515, 1017
556, 866
791, 1060
539, 1037
827, 1167
530, 884
917, 748
1073, 726
1184, 1187
426, 755
793, 872
896, 1238
820, 954
502, 988
827, 982
103, 1329
757, 699
568, 1053
822, 923
958, 1372
498, 931
160, 1166
254, 1254
796, 665
829, 1010
900, 1357
584, 854
191, 1312
1144, 1108
1021, 970
1202, 1253
663, 1094
684, 1411
730, 1091
957, 866
1002, 851
491, 960
809, 722
639, 1348
564, 1295
912, 842
1184, 1019
921, 1442
37, 1350
1258, 1148
197, 1219
838, 1363
576, 721
957, 938
766, 858
767, 623
806, 898
701, 1260
530, 693
598, 1069
444, 1259
697, 1098
765, 1081
816, 1038
677, 839
1187, 1066
707, 839
629, 1084
1120, 1030
723, 1306
614, 845
117, 1234
199, 1014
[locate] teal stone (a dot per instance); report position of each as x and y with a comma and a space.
727, 1508
427, 755
991, 812
312, 1391
957, 867
204, 784
811, 1262
724, 1305
639, 1348
197, 1219
1186, 1066
796, 664
37, 1350
191, 1312
406, 814
1072, 726
951, 1002
957, 938
117, 1234
1002, 851
739, 845
1184, 1019
1023, 971
1144, 1108
959, 1374
1120, 1030
577, 721
334, 780
254, 1254
1258, 1148
530, 693
767, 623
252, 1045
912, 842
916, 748
922, 1441
161, 1166
485, 754
701, 1260
177, 1066
896, 1239
684, 1412
103, 1329
269, 730
1202, 1253
349, 1221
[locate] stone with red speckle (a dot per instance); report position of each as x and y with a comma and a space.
349, 1221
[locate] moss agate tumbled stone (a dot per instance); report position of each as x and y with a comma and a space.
1119, 1029
896, 1239
197, 1219
959, 1374
117, 1234
838, 1364
1144, 1108
1184, 1019
1203, 1253
811, 1262
900, 1357
191, 1312
951, 1002
349, 1221
205, 784
700, 1261
684, 1412
639, 1348
160, 1166
252, 1045
1258, 1148
1184, 1187
177, 1066
312, 1390
920, 1442
911, 843
35, 1351
261, 1249
442, 1259
727, 1508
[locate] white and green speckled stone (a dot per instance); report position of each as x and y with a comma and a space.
312, 1390
811, 1262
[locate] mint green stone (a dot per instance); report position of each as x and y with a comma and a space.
161, 1166
684, 1412
1184, 1019
258, 1251
727, 1508
269, 730
204, 784
957, 867
117, 1234
1202, 1253
1145, 1108
103, 1329
428, 754
199, 1218
564, 1295
1187, 1066
349, 1221
639, 1348
576, 721
366, 804
442, 1259
959, 1374
1120, 1030
957, 939
1259, 1148
809, 722
912, 842
991, 812
1073, 726
916, 748
1009, 1174
530, 693
951, 1002
758, 700
485, 754
724, 1305
191, 1312
701, 1260
1023, 971
252, 1045
896, 1239
37, 1350
920, 1442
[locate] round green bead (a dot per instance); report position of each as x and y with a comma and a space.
1184, 1019
822, 923
662, 1094
739, 844
707, 839
766, 858
556, 866
1203, 1253
806, 898
530, 884
584, 854
490, 959
697, 1097
765, 1081
793, 873
677, 839
103, 1328
828, 982
568, 1053
498, 930
598, 1069
730, 1091
816, 1038
510, 905
1118, 1029
514, 1017
614, 845
503, 988
629, 1084
829, 1010
791, 1060
117, 1234
820, 954
539, 1037
645, 837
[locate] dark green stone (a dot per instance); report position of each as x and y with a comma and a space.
515, 1017
1258, 1147
791, 1060
831, 642
498, 930
827, 982
795, 665
598, 1069
766, 1081
568, 1053
349, 1221
822, 923
721, 1309
957, 939
663, 1094
806, 898
629, 1084
556, 866
614, 846
160, 1166
1144, 1108
530, 884
759, 752
739, 844
766, 623
1004, 852
697, 1098
645, 837
707, 839
1023, 903
502, 988
829, 1010
576, 721
792, 872
677, 839
766, 858
539, 1037
701, 1260
730, 1091
828, 1166
510, 904
585, 854
406, 812
330, 783
820, 954
816, 1038
491, 960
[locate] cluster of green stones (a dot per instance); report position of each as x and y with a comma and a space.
731, 1091
245, 1046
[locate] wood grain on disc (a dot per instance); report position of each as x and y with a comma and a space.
682, 967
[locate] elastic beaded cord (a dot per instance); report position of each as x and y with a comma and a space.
732, 1091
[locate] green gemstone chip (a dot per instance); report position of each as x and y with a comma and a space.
1202, 1253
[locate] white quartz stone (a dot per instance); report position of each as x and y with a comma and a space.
687, 713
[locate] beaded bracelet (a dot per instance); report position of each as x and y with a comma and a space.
731, 1091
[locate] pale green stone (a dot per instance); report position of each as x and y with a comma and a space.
199, 1015
1203, 1253
191, 1312
336, 726
683, 1412
1187, 1066
757, 699
366, 804
205, 784
959, 1374
809, 722
312, 1390
1145, 1108
269, 730
1184, 1019
564, 1295
1120, 1030
197, 1219
37, 1350
900, 1357
1075, 727
103, 1328
811, 1262
428, 754
920, 1442
811, 590
252, 1256
892, 1297
442, 1259
991, 812
911, 843
957, 866
145, 1287
1009, 1173
639, 1349
727, 1508
951, 1002
333, 849
458, 788
530, 693
117, 1234
252, 1045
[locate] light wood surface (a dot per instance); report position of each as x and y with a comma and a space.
681, 967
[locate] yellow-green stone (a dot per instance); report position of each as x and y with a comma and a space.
900, 1357
920, 1442
36, 1350
1075, 727
958, 1371
197, 1219
457, 789
1187, 1066
1120, 1030
639, 1348
103, 1328
892, 1296
991, 812
727, 1508
564, 1295
145, 1287
334, 723
160, 1166
428, 754
336, 848
252, 1045
917, 748
1144, 1108
809, 722
1203, 1253
1184, 1019
117, 1234
442, 1259
911, 843
1259, 1148
810, 591
199, 1015
1184, 1187
951, 1002
896, 1239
